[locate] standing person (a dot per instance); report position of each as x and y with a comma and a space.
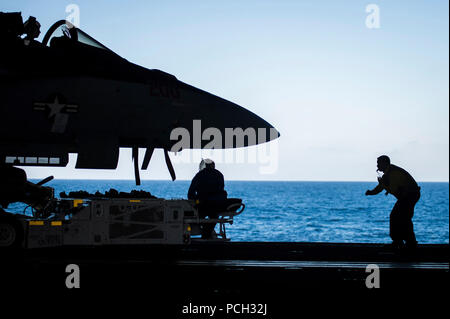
401, 184
207, 187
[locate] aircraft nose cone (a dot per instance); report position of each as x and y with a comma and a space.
217, 118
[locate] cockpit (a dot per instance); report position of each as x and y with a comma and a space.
63, 32
64, 42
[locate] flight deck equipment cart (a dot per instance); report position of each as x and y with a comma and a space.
118, 221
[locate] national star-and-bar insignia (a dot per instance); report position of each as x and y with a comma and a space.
60, 112
55, 107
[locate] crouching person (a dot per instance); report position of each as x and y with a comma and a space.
207, 187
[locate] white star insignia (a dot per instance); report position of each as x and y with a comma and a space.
55, 107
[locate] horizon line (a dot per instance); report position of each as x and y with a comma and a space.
231, 180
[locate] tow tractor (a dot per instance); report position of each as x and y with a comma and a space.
112, 221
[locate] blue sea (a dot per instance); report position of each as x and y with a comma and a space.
301, 211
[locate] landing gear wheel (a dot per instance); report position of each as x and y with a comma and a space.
11, 233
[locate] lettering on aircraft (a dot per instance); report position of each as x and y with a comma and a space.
160, 89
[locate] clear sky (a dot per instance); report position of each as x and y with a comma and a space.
340, 93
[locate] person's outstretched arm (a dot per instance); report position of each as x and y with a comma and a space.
376, 190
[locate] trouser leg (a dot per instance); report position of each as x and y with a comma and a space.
409, 236
207, 229
395, 224
401, 225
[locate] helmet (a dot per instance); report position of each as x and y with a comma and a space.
32, 27
206, 163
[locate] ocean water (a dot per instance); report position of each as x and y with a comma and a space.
302, 211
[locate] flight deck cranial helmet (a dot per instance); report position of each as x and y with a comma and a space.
206, 163
32, 28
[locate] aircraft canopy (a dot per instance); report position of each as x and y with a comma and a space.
65, 30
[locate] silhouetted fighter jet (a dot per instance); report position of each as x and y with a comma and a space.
74, 95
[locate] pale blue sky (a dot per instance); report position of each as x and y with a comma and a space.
340, 93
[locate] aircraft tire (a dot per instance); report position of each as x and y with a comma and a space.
11, 232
